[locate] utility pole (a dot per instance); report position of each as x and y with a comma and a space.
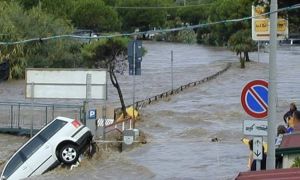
272, 86
258, 51
172, 67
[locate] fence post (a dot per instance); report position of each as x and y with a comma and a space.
80, 113
52, 111
32, 106
46, 115
19, 111
11, 116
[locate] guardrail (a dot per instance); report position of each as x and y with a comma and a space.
156, 98
163, 95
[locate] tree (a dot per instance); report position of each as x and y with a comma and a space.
110, 54
17, 24
193, 15
296, 163
143, 19
224, 10
95, 15
241, 42
63, 9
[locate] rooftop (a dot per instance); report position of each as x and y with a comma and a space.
274, 174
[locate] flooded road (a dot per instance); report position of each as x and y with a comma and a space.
180, 129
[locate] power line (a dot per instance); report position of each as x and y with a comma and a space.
160, 7
147, 32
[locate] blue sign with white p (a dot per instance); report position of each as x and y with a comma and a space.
92, 114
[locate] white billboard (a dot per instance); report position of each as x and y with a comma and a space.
65, 83
261, 25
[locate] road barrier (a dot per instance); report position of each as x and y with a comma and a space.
159, 97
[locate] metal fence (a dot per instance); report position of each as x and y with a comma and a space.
20, 116
172, 92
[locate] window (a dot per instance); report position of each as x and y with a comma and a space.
41, 138
52, 129
296, 42
32, 147
13, 165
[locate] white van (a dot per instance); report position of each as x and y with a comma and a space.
61, 141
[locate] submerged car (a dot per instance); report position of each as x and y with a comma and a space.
61, 141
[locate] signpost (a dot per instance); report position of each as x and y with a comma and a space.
254, 98
273, 85
135, 53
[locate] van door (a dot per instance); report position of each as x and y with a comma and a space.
37, 152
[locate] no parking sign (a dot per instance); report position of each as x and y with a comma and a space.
254, 98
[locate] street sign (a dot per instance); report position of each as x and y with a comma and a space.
254, 98
92, 114
261, 25
257, 148
255, 127
135, 53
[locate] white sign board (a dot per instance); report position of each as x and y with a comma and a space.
257, 148
261, 25
65, 83
255, 127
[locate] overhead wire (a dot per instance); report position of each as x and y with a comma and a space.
296, 6
161, 7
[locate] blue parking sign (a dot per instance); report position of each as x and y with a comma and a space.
92, 114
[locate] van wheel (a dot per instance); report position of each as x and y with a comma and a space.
68, 154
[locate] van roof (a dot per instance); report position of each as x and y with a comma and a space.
64, 119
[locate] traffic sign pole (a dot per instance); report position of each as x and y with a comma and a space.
258, 51
272, 86
133, 96
258, 165
172, 78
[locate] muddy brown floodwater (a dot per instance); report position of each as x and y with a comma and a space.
180, 128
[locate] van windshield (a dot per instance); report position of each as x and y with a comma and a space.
13, 165
32, 146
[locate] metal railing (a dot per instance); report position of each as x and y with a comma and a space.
18, 116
